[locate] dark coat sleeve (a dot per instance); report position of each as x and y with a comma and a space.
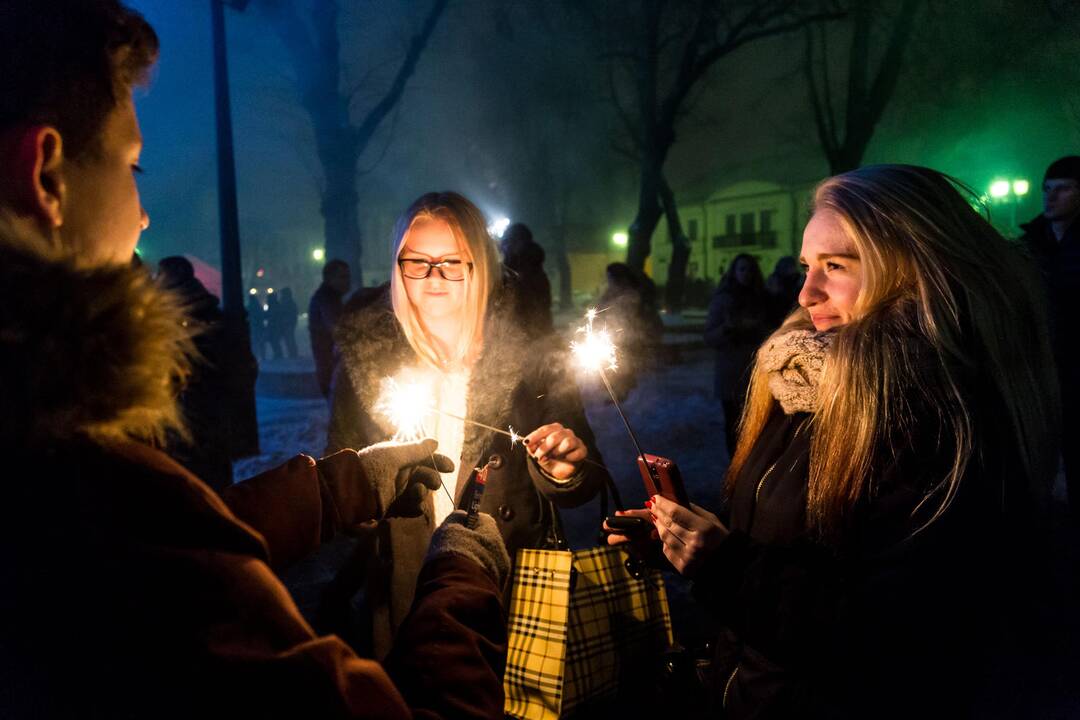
350, 425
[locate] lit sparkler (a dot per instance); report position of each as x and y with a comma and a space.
597, 352
405, 405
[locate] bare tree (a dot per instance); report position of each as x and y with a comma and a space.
342, 134
662, 51
844, 140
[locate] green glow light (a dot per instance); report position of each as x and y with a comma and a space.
1021, 187
621, 239
318, 254
999, 188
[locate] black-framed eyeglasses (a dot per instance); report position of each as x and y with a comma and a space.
417, 269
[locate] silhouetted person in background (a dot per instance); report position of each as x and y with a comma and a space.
739, 321
784, 285
257, 323
532, 299
206, 453
629, 311
1054, 240
288, 317
323, 313
274, 326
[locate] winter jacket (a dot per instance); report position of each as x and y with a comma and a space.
737, 324
129, 589
515, 382
323, 313
533, 299
885, 621
1059, 263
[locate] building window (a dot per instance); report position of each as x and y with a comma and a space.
765, 224
729, 225
691, 229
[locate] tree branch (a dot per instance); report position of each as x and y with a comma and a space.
419, 41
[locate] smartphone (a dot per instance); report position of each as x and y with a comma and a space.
623, 525
662, 477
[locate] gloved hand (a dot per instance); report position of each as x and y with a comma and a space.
484, 545
363, 485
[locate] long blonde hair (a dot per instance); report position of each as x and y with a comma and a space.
466, 222
950, 314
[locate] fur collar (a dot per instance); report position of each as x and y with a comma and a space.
372, 347
85, 352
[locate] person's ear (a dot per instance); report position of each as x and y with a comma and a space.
36, 173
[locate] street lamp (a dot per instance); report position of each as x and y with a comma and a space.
1011, 192
318, 254
620, 239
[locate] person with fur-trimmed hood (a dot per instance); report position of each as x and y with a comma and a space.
131, 589
447, 325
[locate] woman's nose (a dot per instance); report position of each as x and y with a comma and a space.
812, 291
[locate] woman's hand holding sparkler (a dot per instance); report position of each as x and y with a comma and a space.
556, 449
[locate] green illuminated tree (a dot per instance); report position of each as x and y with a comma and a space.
659, 53
845, 136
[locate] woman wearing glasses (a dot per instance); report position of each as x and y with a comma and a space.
446, 325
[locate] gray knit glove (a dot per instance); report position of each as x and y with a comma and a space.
484, 545
366, 484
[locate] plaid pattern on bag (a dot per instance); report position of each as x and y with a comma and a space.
575, 617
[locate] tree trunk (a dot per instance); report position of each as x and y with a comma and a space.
680, 250
340, 211
648, 213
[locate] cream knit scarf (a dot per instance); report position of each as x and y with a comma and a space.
795, 362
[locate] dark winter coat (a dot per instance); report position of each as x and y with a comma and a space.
737, 324
532, 300
323, 313
129, 589
1059, 263
207, 453
515, 382
883, 622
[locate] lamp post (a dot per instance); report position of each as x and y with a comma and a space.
240, 364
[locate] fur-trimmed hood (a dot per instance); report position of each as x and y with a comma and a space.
85, 352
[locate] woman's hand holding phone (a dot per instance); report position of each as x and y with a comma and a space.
689, 534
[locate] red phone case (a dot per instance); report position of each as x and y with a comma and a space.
662, 477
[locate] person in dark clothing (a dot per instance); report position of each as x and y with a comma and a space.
882, 554
628, 308
275, 325
783, 286
740, 318
205, 452
1053, 239
323, 313
289, 316
130, 588
257, 325
525, 259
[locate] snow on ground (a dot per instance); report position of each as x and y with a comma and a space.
671, 410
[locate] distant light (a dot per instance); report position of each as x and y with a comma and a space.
266, 308
318, 254
269, 291
497, 228
253, 291
621, 239
138, 251
999, 188
260, 272
1021, 187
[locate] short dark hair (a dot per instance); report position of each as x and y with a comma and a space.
69, 63
334, 266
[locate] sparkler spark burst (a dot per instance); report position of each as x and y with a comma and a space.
514, 437
597, 350
405, 405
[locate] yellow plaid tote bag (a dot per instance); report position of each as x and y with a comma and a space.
580, 625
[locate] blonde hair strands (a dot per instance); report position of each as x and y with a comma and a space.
467, 225
949, 310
